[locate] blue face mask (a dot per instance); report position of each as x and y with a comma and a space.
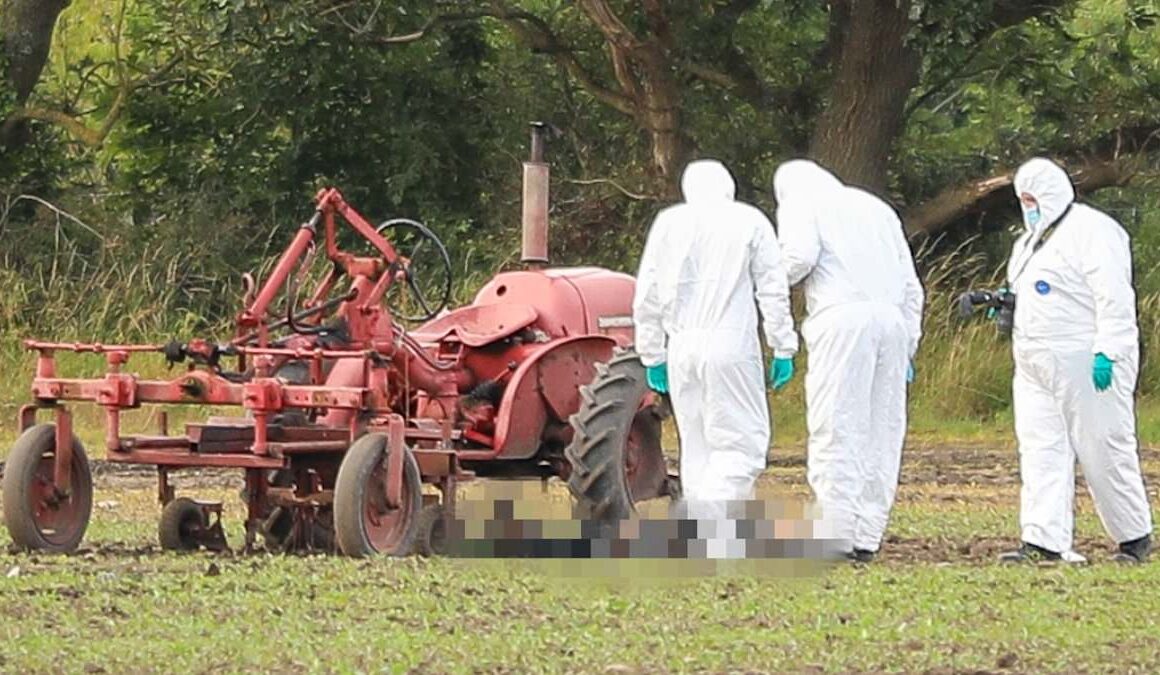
1032, 216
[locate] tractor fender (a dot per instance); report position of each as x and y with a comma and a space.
544, 388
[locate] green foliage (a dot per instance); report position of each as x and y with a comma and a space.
1039, 87
289, 106
38, 162
242, 109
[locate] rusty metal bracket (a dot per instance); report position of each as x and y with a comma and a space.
27, 418
62, 467
396, 448
164, 488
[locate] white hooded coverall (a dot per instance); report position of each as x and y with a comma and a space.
1074, 299
708, 265
864, 321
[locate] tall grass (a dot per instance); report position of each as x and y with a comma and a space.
964, 367
106, 297
112, 295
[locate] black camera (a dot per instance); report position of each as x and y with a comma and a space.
1000, 304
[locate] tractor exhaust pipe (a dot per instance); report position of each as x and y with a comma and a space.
535, 217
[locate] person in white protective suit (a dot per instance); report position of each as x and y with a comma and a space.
864, 321
709, 265
1076, 349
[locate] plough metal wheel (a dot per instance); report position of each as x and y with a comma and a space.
616, 452
182, 525
279, 525
431, 531
363, 523
39, 516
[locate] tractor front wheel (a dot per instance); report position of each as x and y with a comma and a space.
615, 454
41, 515
364, 524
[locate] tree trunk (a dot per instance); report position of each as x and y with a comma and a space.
647, 78
873, 74
1113, 159
962, 205
660, 114
26, 27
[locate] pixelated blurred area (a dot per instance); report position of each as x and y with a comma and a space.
515, 520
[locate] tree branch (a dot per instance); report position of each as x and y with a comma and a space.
953, 204
658, 21
425, 30
1115, 159
1013, 12
1004, 14
733, 70
613, 28
92, 137
957, 73
76, 128
620, 188
536, 34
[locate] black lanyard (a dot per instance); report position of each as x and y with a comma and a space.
1039, 244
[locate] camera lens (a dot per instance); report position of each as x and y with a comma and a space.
1006, 319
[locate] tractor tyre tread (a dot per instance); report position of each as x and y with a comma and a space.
601, 426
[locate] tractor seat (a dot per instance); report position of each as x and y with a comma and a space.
477, 325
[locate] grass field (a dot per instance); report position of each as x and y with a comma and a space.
935, 602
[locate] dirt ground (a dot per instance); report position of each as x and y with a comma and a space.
935, 602
973, 488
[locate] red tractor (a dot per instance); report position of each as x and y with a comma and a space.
347, 414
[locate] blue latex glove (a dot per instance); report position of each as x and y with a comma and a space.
910, 372
780, 372
992, 312
1102, 372
658, 378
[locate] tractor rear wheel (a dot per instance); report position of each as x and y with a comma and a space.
615, 454
364, 524
40, 515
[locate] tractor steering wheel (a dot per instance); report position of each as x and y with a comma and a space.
422, 288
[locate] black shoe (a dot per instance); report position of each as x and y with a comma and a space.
1135, 551
860, 555
1029, 553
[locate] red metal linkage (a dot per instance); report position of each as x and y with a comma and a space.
181, 456
84, 347
199, 387
256, 312
333, 199
396, 448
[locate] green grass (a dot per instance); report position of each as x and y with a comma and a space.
937, 600
295, 614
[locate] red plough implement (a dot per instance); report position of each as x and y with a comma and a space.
345, 415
